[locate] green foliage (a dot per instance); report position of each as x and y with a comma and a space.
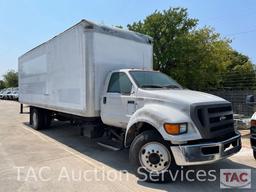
2, 84
194, 57
167, 28
11, 79
240, 72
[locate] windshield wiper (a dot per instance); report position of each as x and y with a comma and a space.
151, 86
159, 86
172, 86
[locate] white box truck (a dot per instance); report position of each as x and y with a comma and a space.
101, 79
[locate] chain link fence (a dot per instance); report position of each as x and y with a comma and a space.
237, 98
235, 87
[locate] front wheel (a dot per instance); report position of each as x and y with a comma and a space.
152, 157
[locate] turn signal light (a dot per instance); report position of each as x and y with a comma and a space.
175, 129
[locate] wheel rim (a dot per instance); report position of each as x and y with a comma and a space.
155, 157
34, 117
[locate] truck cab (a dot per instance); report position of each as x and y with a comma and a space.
162, 120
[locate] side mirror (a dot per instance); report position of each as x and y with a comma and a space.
133, 90
250, 100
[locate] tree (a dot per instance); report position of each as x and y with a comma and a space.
194, 57
166, 28
240, 72
11, 79
2, 84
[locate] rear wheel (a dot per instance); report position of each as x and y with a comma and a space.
47, 119
40, 118
254, 154
37, 119
152, 157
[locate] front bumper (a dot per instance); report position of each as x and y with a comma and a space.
204, 153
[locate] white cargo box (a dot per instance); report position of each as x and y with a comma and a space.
67, 73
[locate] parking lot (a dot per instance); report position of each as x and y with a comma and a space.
52, 160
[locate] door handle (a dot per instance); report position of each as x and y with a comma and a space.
131, 102
104, 100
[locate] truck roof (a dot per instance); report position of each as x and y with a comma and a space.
114, 31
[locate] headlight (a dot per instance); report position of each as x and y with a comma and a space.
176, 129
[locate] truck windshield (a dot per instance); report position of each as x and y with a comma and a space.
154, 79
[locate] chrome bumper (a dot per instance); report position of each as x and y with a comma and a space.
204, 153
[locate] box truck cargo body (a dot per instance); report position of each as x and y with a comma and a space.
101, 79
68, 72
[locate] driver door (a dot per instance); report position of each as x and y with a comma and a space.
118, 103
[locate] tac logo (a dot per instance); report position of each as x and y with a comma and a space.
235, 178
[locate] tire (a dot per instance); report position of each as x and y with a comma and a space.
152, 157
38, 118
47, 119
254, 154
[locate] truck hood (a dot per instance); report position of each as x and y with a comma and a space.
183, 96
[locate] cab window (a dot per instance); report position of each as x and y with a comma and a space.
119, 83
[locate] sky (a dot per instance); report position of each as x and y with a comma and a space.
25, 24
